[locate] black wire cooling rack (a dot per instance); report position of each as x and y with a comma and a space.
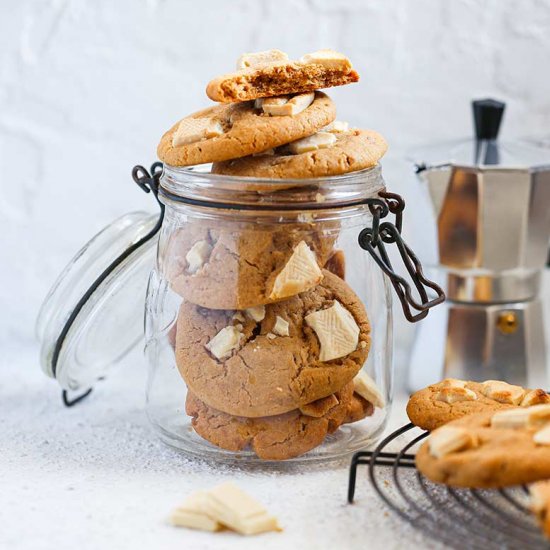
459, 518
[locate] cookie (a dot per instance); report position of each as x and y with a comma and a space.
490, 450
343, 152
241, 265
276, 437
276, 358
227, 132
451, 399
337, 263
266, 76
539, 493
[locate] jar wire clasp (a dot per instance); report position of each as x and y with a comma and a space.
373, 240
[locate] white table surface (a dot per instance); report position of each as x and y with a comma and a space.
95, 476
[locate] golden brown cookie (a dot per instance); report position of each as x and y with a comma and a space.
349, 151
226, 132
540, 504
451, 399
267, 78
484, 450
297, 351
281, 436
337, 263
237, 265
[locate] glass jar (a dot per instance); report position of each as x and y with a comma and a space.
268, 328
223, 242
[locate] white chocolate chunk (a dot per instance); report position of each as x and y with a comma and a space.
452, 383
191, 130
256, 313
365, 386
238, 316
527, 417
197, 256
336, 127
535, 397
284, 106
193, 513
320, 140
336, 330
449, 439
248, 60
267, 152
239, 511
271, 336
502, 392
539, 493
542, 437
329, 59
455, 394
281, 326
224, 342
300, 273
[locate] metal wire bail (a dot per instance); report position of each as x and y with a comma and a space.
373, 240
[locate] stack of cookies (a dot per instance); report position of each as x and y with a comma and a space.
270, 338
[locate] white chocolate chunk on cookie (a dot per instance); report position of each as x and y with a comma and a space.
539, 494
193, 514
511, 419
449, 439
542, 437
191, 130
256, 313
336, 127
365, 386
224, 342
255, 59
281, 326
455, 394
452, 383
239, 511
336, 330
527, 417
329, 59
300, 273
502, 392
285, 106
535, 397
197, 256
320, 140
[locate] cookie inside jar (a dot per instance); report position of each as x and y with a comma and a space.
278, 339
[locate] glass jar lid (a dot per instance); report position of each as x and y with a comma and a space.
93, 315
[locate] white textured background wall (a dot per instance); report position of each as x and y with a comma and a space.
87, 88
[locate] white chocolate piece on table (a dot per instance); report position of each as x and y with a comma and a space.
193, 514
224, 342
502, 391
300, 273
336, 330
455, 394
365, 386
281, 326
449, 439
320, 140
197, 256
191, 130
239, 511
256, 59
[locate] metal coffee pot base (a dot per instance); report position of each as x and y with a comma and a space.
481, 342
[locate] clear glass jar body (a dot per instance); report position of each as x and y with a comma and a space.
224, 320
